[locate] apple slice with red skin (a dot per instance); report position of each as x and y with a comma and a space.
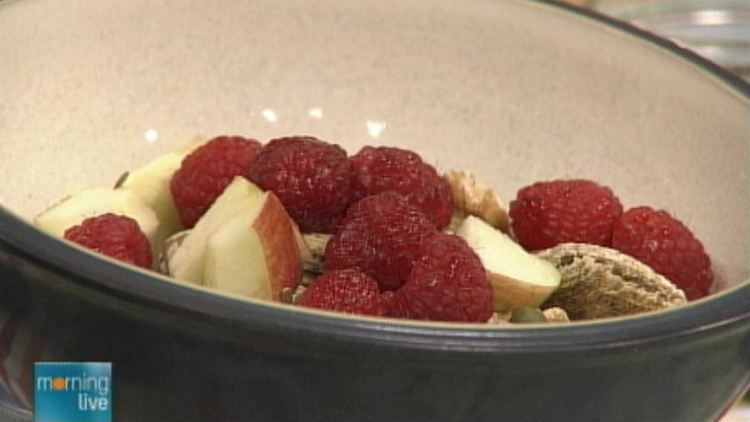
256, 254
188, 261
245, 244
518, 278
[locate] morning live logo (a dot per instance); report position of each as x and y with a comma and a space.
73, 392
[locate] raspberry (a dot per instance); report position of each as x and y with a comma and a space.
116, 236
546, 214
389, 303
311, 177
380, 235
349, 291
666, 245
205, 173
379, 169
447, 283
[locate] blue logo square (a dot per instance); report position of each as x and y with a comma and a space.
73, 392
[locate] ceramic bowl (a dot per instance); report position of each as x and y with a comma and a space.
517, 91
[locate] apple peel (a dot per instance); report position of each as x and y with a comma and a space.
255, 254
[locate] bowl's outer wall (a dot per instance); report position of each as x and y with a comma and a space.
516, 91
171, 368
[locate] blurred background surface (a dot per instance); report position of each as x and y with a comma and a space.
717, 29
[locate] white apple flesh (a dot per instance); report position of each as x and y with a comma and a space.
188, 262
518, 278
256, 254
72, 210
151, 184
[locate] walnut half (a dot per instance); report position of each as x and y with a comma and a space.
473, 198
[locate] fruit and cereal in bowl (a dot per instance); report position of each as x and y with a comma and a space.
382, 233
545, 291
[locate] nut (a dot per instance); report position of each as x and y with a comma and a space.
316, 244
304, 251
599, 282
291, 296
473, 198
500, 318
556, 315
170, 247
287, 295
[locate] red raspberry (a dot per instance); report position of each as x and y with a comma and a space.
546, 214
666, 245
380, 235
205, 173
389, 303
116, 236
311, 177
379, 169
350, 291
447, 283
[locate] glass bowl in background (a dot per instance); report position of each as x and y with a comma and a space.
717, 29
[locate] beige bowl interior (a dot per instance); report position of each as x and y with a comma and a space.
513, 90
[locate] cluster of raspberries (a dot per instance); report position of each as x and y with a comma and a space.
385, 209
315, 180
388, 259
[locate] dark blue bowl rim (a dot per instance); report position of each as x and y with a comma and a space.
123, 284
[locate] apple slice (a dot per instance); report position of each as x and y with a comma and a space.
188, 262
518, 278
72, 210
151, 183
256, 254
